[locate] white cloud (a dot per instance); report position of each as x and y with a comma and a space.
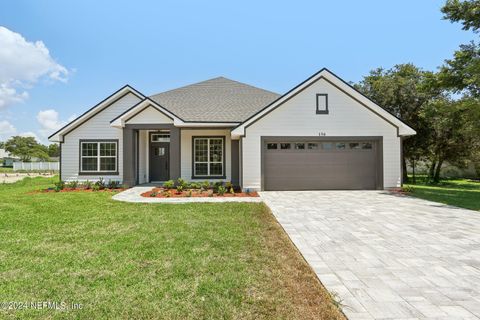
23, 64
48, 119
49, 122
30, 134
10, 96
6, 130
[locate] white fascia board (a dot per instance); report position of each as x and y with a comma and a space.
58, 136
206, 124
120, 121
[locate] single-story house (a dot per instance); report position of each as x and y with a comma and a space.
6, 159
322, 134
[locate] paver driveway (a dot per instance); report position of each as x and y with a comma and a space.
386, 256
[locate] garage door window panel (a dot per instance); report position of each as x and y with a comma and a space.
367, 146
327, 146
285, 146
272, 146
312, 146
299, 146
340, 146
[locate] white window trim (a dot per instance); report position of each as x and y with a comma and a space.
98, 156
208, 162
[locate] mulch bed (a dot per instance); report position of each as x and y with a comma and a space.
193, 193
79, 190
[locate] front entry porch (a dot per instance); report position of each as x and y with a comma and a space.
151, 153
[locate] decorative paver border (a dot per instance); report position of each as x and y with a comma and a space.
134, 195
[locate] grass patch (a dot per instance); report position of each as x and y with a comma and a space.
457, 192
6, 170
122, 260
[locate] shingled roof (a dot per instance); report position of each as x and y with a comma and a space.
215, 100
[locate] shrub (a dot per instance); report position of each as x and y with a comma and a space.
100, 183
232, 191
59, 185
87, 184
407, 189
73, 184
181, 182
153, 194
168, 184
194, 185
113, 184
217, 185
96, 187
210, 193
166, 194
179, 188
221, 190
189, 193
228, 185
205, 185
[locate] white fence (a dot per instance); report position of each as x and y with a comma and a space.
33, 166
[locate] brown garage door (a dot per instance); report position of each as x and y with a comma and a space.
320, 165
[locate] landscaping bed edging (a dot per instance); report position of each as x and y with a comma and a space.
135, 195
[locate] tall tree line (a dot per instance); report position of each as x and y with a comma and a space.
442, 106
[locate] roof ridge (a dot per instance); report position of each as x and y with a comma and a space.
249, 85
215, 78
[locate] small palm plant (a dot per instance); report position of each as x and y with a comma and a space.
221, 190
205, 185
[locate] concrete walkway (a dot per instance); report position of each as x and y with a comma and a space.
134, 195
387, 256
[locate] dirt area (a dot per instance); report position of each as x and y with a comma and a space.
14, 177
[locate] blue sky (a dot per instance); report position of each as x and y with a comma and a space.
95, 47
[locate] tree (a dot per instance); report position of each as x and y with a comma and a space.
2, 144
25, 148
462, 72
404, 90
465, 12
454, 131
53, 150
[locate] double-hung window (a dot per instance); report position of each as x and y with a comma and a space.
208, 157
98, 156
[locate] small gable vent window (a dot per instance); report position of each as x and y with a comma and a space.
322, 103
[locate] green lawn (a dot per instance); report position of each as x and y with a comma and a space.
6, 170
150, 261
460, 192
